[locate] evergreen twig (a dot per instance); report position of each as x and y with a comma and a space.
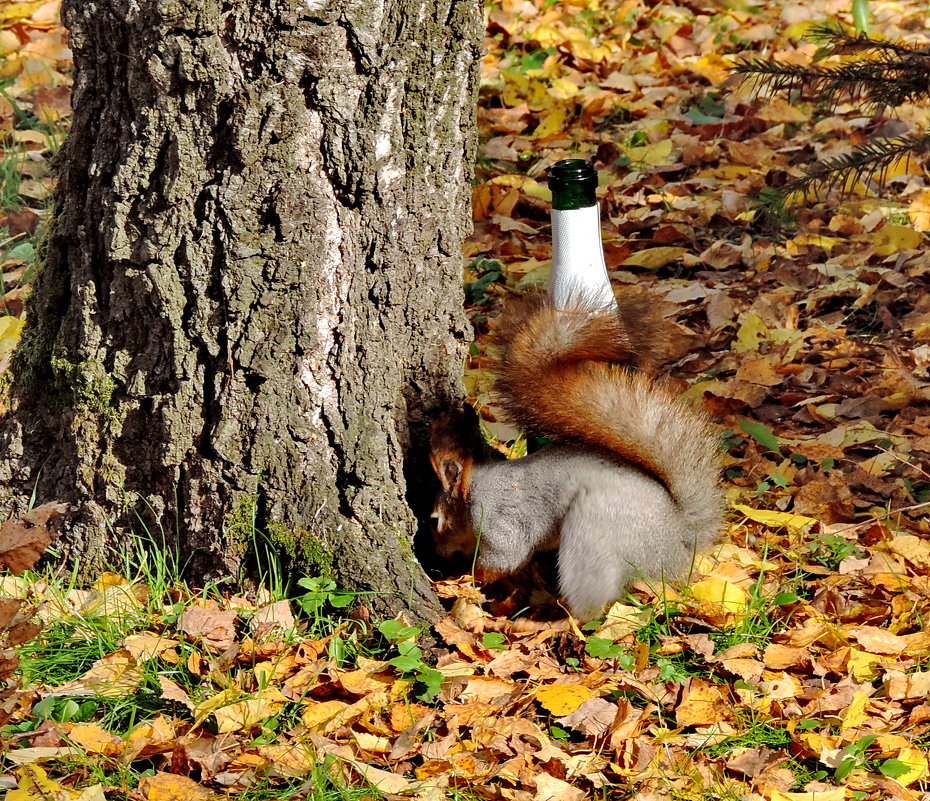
878, 75
879, 83
863, 163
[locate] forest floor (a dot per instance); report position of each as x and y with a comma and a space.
795, 664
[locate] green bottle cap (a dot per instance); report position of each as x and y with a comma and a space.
572, 182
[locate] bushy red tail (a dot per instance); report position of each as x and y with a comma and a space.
564, 373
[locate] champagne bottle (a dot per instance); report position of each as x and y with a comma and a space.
579, 275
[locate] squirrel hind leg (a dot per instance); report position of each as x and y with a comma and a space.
587, 581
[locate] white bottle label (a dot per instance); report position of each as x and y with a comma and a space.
579, 275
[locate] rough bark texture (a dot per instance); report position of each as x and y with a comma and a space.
250, 306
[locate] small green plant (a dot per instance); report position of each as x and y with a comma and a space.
853, 757
487, 271
761, 434
829, 550
410, 662
602, 648
321, 593
771, 480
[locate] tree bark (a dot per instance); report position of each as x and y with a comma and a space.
250, 306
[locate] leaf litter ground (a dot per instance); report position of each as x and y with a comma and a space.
793, 665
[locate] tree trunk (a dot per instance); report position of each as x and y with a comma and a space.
250, 307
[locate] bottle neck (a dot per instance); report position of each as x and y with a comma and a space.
573, 183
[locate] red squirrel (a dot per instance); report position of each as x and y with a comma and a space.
630, 485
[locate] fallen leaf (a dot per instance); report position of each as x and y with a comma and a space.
171, 787
654, 258
214, 627
563, 699
23, 541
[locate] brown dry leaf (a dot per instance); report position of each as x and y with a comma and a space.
779, 657
899, 686
172, 787
485, 688
23, 541
915, 549
876, 640
290, 760
276, 617
592, 718
216, 628
148, 645
171, 691
549, 788
152, 737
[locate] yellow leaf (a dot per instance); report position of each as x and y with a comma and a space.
657, 155
834, 794
915, 760
563, 699
10, 327
372, 742
714, 67
825, 243
171, 787
855, 714
221, 699
587, 50
552, 123
527, 185
654, 258
245, 715
316, 715
891, 239
779, 110
729, 597
702, 704
546, 35
92, 739
863, 666
361, 682
752, 332
33, 783
562, 88
776, 519
14, 12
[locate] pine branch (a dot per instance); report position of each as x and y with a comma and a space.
866, 162
834, 39
877, 83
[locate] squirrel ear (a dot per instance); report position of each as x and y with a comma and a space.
449, 469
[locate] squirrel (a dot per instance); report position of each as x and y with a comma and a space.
629, 486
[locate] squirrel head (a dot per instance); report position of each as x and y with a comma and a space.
452, 458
